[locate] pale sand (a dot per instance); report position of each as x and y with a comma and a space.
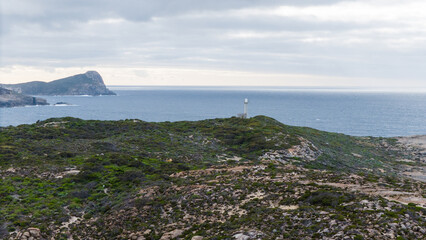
418, 143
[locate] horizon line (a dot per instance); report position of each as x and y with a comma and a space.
278, 88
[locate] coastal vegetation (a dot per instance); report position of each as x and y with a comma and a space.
16, 95
89, 83
227, 178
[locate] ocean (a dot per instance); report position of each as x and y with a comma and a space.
352, 112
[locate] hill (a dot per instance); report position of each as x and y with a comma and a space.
213, 179
89, 83
10, 98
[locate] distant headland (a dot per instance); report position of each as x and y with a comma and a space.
89, 83
9, 98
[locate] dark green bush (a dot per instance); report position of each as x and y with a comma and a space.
326, 198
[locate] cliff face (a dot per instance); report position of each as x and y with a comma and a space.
89, 83
9, 98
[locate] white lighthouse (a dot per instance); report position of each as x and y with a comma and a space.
245, 115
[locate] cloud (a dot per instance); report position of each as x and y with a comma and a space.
346, 11
174, 76
342, 39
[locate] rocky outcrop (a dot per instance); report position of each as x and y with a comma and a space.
306, 150
172, 235
89, 83
30, 233
248, 235
9, 98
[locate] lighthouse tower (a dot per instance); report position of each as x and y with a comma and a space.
245, 115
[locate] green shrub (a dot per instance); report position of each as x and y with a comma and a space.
326, 198
358, 237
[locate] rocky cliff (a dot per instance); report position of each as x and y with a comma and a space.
89, 83
9, 98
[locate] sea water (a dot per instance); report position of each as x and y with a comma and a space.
351, 112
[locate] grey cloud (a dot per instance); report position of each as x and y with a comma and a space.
189, 33
51, 11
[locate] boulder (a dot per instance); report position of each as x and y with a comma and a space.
172, 235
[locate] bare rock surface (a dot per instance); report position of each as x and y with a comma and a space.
9, 98
415, 146
172, 234
30, 233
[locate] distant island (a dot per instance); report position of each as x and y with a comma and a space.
89, 83
9, 98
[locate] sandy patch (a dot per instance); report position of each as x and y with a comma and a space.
416, 146
399, 196
288, 207
418, 140
251, 196
70, 171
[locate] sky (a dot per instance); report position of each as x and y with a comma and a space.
325, 43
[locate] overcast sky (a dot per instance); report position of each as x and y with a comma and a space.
372, 43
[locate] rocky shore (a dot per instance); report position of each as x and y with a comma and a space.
9, 98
